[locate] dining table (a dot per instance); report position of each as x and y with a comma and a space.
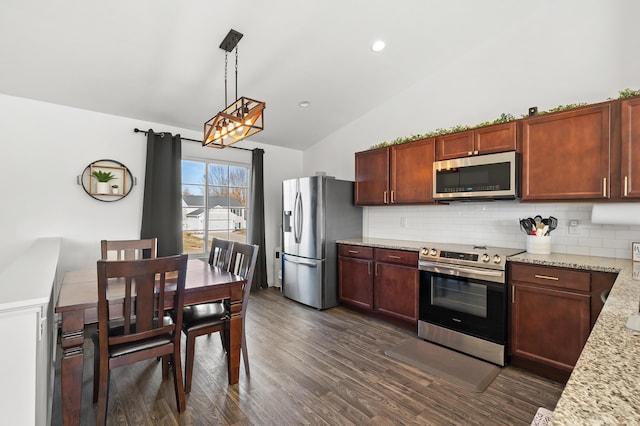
78, 306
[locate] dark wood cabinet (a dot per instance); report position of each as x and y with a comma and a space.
372, 177
552, 311
566, 155
484, 140
396, 284
630, 162
399, 174
381, 281
355, 276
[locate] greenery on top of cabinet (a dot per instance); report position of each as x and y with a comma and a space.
504, 118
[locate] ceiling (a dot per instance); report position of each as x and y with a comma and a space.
159, 60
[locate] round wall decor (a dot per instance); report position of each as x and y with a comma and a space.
107, 180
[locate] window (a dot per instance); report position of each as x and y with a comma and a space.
222, 212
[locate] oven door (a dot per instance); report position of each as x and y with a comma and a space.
468, 305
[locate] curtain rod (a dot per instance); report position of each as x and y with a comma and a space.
136, 130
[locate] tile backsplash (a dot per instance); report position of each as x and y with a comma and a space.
496, 223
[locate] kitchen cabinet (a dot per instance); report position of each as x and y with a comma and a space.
383, 282
355, 278
484, 140
552, 311
399, 174
630, 163
396, 284
566, 155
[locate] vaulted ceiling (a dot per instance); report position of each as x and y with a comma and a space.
159, 60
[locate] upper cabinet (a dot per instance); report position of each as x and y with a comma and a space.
484, 140
399, 174
566, 155
630, 163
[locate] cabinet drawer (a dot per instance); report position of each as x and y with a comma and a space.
401, 257
356, 251
551, 276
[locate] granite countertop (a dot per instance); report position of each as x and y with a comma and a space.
604, 387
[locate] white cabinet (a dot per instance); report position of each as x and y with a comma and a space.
27, 331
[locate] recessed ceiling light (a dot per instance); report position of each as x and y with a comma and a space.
378, 45
304, 104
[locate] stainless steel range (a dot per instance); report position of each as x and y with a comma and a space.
463, 302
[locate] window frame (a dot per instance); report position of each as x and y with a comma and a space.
206, 188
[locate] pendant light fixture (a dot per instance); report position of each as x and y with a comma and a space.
240, 119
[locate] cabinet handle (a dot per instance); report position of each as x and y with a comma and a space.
470, 153
393, 197
394, 257
353, 251
475, 152
513, 295
368, 268
376, 269
384, 196
546, 277
626, 185
604, 187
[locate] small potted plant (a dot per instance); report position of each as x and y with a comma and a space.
103, 178
114, 189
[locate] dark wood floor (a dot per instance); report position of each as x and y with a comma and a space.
312, 367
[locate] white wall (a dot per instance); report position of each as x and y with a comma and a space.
47, 146
577, 51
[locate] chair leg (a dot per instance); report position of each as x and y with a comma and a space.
245, 355
165, 367
188, 362
178, 386
223, 340
103, 395
96, 373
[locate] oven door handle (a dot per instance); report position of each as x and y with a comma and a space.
453, 270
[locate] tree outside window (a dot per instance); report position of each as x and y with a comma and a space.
222, 213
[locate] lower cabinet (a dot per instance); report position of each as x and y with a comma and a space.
381, 281
552, 311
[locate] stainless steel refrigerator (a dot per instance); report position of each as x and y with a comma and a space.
317, 211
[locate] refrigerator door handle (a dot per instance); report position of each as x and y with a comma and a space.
298, 262
297, 219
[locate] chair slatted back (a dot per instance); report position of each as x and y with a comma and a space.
243, 263
128, 249
142, 286
220, 254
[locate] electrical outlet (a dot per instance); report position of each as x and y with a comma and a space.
573, 226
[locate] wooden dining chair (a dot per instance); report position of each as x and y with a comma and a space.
211, 317
135, 287
128, 249
220, 254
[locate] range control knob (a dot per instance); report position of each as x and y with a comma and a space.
497, 259
486, 257
433, 252
425, 251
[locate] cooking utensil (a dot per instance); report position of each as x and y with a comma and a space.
526, 226
553, 223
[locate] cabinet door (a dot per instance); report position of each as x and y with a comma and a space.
355, 282
372, 177
565, 156
630, 176
498, 138
396, 291
412, 172
455, 145
549, 326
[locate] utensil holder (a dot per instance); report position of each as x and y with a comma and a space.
538, 245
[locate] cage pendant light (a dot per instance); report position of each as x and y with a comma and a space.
242, 118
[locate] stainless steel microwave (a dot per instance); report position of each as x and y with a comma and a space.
491, 176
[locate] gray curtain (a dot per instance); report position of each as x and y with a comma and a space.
161, 215
256, 226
